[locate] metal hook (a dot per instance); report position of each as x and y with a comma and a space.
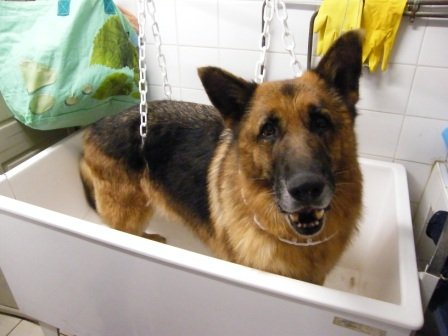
414, 8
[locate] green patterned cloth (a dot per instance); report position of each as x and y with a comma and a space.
63, 70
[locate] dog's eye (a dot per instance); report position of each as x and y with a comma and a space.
269, 130
319, 122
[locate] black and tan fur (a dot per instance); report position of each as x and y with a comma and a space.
269, 167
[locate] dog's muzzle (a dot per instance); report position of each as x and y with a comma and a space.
305, 199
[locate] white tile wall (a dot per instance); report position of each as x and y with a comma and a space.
197, 22
386, 91
195, 96
245, 65
166, 11
239, 24
278, 66
378, 132
420, 140
402, 110
156, 92
171, 56
434, 51
429, 95
191, 59
298, 22
408, 41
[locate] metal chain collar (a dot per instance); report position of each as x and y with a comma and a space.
143, 11
279, 8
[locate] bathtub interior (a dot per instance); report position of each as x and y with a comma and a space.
370, 267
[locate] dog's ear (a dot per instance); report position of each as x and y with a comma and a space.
228, 93
341, 67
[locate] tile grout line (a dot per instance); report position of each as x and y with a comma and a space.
14, 328
408, 99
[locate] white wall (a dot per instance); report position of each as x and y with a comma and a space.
402, 111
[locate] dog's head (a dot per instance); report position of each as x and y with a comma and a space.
295, 138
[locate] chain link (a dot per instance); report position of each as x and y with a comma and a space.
288, 39
142, 69
159, 54
147, 7
265, 41
279, 8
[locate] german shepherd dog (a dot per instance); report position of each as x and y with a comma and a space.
267, 178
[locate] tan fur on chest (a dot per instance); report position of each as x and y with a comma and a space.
238, 237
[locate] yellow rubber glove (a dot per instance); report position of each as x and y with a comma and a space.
380, 20
334, 18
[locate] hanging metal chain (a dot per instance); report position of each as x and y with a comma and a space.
142, 69
288, 39
265, 42
158, 42
143, 11
279, 8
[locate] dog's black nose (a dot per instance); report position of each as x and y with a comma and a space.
309, 189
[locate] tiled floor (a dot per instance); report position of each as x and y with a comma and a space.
13, 326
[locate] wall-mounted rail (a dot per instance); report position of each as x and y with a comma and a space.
414, 8
427, 8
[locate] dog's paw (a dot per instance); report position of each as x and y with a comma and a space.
154, 236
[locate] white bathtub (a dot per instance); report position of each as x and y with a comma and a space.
87, 279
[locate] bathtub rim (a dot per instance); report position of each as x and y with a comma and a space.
407, 315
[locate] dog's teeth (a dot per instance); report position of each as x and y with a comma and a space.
294, 217
319, 213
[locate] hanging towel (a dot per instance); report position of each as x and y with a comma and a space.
380, 20
334, 18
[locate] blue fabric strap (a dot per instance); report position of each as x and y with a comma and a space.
63, 7
109, 7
